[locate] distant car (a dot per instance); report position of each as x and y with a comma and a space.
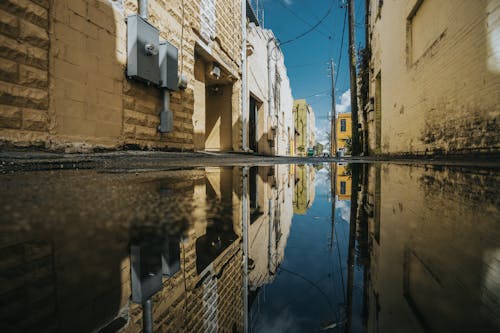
325, 153
310, 151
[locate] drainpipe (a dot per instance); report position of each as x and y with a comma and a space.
166, 116
269, 81
147, 316
244, 109
143, 9
244, 220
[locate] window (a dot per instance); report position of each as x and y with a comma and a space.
426, 25
342, 188
342, 125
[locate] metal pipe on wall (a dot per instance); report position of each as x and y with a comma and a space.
244, 109
244, 221
147, 316
269, 83
143, 9
166, 116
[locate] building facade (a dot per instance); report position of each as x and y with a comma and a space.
270, 124
63, 83
304, 192
305, 136
271, 212
434, 77
344, 133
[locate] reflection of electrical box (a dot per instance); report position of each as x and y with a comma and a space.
146, 272
171, 256
168, 66
142, 50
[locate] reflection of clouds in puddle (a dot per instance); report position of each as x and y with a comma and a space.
322, 177
286, 322
343, 210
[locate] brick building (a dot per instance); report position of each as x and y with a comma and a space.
63, 83
434, 77
305, 135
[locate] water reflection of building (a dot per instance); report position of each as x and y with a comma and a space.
206, 293
67, 255
304, 192
344, 182
433, 250
270, 219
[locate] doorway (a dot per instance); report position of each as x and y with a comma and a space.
253, 122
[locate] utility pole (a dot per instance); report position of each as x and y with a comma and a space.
333, 190
353, 77
333, 123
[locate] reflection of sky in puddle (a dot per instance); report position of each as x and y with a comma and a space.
425, 248
307, 293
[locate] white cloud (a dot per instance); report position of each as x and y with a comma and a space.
344, 209
322, 177
322, 132
345, 103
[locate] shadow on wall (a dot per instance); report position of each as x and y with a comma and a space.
92, 99
88, 71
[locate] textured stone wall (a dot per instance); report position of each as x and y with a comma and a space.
80, 48
440, 76
24, 63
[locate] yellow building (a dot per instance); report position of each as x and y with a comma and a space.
344, 131
344, 183
304, 121
304, 193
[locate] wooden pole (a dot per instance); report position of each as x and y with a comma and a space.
353, 79
333, 122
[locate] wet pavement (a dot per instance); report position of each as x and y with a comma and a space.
324, 247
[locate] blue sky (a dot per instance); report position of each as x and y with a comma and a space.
306, 58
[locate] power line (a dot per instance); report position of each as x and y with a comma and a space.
319, 93
312, 28
306, 65
284, 5
341, 47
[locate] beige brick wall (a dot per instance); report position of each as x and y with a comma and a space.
24, 63
440, 76
80, 48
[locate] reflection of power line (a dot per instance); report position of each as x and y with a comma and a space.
340, 262
312, 283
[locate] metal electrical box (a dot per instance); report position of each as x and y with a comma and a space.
169, 66
142, 49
